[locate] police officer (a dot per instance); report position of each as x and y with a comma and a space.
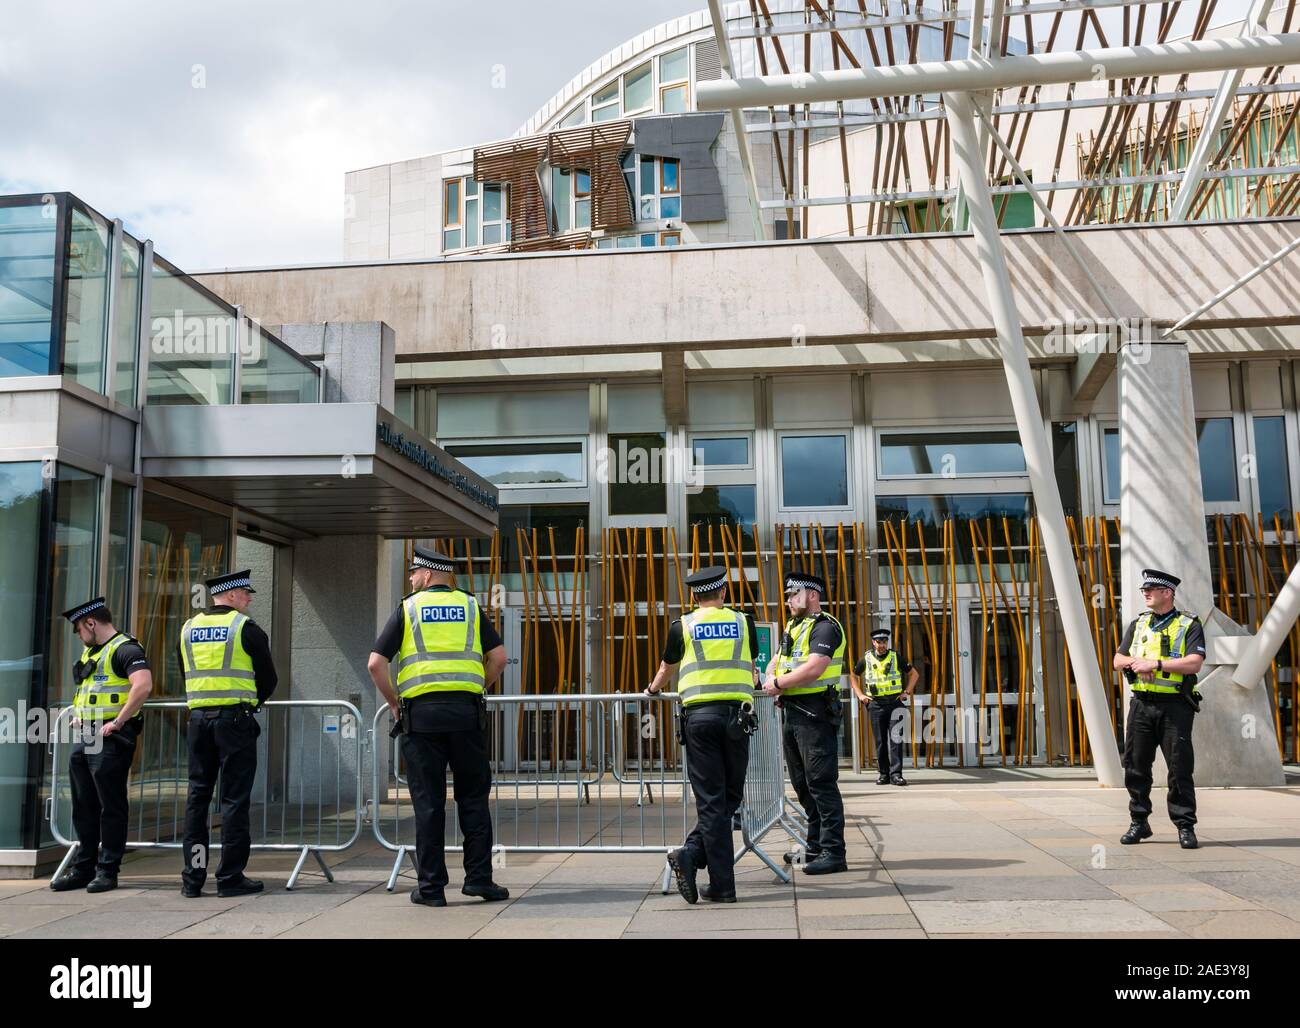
877, 681
805, 675
113, 682
226, 661
448, 654
1161, 653
712, 649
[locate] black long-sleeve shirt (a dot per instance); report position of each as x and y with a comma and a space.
258, 647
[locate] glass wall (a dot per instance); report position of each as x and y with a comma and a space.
28, 238
1271, 468
180, 546
21, 492
127, 342
814, 471
86, 284
272, 373
117, 590
74, 569
192, 342
1218, 459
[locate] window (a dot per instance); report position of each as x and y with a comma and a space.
660, 188
86, 321
192, 341
451, 214
674, 90
951, 454
1110, 465
27, 242
604, 103
575, 117
670, 238
636, 89
534, 463
1065, 450
635, 472
474, 213
931, 511
721, 451
1271, 468
1218, 459
581, 199
814, 471
732, 505
127, 343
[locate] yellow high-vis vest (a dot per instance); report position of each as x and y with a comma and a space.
800, 633
102, 695
717, 664
1166, 643
218, 670
882, 675
441, 651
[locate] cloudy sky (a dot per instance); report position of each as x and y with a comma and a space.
222, 130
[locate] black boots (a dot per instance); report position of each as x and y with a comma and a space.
1137, 831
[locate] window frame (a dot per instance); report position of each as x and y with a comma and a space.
845, 433
451, 445
692, 435
882, 432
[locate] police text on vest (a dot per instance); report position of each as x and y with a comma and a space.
436, 615
716, 630
215, 634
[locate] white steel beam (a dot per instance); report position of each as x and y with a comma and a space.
1227, 291
963, 126
978, 73
1277, 625
737, 120
1218, 113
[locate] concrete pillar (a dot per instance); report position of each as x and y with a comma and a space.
1162, 525
340, 601
357, 356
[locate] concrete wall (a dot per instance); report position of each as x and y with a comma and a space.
899, 289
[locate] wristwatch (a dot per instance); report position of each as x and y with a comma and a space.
776, 682
1160, 665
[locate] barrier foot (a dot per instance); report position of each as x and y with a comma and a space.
647, 792
397, 867
302, 859
753, 847
329, 875
668, 874
67, 859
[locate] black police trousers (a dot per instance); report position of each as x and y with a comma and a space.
887, 728
427, 755
717, 756
1167, 724
812, 756
99, 800
222, 741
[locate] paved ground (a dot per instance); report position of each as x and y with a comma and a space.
989, 853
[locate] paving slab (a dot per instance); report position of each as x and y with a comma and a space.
1011, 917
15, 918
104, 925
1233, 924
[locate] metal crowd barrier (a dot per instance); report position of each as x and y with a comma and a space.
307, 796
764, 802
544, 813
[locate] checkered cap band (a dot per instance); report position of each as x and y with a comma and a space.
1158, 580
233, 583
880, 633
86, 608
709, 586
796, 582
433, 563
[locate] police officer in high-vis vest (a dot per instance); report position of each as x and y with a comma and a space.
805, 676
1161, 654
113, 681
877, 681
226, 661
448, 655
712, 650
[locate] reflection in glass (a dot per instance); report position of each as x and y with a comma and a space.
180, 546
1110, 469
634, 468
508, 464
1218, 460
21, 488
275, 375
27, 240
721, 451
126, 345
192, 342
814, 471
1271, 467
906, 513
636, 89
117, 590
86, 322
1065, 452
724, 505
951, 453
75, 568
